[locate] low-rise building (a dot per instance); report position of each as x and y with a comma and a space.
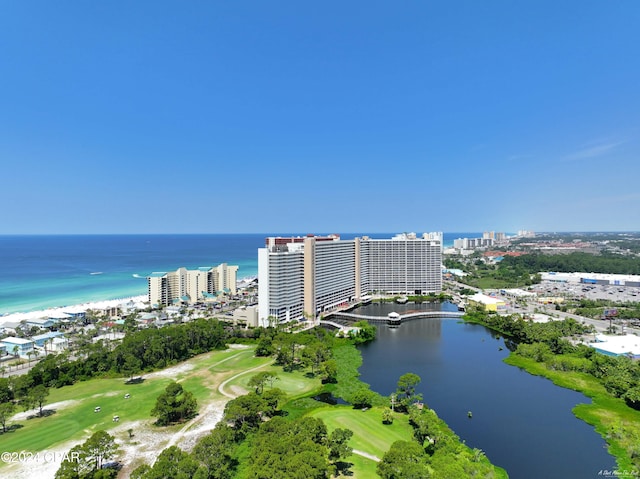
487, 303
246, 315
626, 345
18, 346
46, 340
630, 280
42, 323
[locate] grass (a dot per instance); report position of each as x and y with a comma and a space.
617, 423
76, 421
369, 434
295, 384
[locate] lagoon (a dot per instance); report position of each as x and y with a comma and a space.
522, 422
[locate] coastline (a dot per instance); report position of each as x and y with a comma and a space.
100, 304
74, 308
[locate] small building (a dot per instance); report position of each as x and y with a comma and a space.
77, 316
626, 345
487, 303
42, 323
246, 315
21, 347
43, 340
518, 293
9, 327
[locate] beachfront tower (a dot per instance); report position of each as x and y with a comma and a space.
191, 285
302, 277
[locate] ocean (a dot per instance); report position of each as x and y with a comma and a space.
45, 271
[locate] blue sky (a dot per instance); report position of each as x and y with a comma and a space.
206, 117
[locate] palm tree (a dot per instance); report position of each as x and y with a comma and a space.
49, 342
29, 355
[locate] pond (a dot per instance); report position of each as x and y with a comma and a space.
522, 422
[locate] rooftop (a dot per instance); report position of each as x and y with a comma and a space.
13, 340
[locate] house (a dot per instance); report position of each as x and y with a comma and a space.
18, 346
42, 323
9, 327
51, 341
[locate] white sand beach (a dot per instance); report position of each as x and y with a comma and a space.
76, 308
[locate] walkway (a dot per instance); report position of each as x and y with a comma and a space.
383, 319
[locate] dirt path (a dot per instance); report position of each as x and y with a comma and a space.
147, 440
367, 455
223, 384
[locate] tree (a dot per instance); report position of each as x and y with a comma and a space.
292, 449
632, 397
264, 347
387, 416
338, 447
259, 380
76, 466
314, 355
132, 365
406, 392
218, 452
174, 405
272, 400
404, 460
36, 397
362, 398
245, 412
6, 411
364, 334
173, 463
99, 448
329, 370
86, 461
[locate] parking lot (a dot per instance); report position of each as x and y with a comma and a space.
588, 291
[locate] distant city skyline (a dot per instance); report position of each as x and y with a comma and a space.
249, 117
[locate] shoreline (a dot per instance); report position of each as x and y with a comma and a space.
73, 308
18, 316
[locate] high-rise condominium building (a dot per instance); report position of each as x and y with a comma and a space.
191, 285
304, 276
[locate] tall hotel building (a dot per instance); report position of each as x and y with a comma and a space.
191, 285
301, 277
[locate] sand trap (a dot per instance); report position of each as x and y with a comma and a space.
147, 441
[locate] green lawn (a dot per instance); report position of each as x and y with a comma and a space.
78, 419
369, 434
295, 383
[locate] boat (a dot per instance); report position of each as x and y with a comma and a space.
402, 300
95, 272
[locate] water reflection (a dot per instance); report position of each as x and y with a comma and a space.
524, 423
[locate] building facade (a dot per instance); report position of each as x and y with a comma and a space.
191, 286
304, 276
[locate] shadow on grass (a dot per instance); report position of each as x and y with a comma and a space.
343, 468
137, 380
45, 413
13, 427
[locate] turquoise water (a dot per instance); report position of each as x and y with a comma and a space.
39, 272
